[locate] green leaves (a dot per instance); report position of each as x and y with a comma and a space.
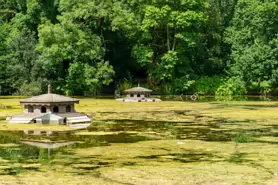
233, 86
65, 43
143, 54
168, 63
163, 29
68, 42
181, 85
172, 42
23, 58
208, 85
4, 32
251, 36
85, 78
154, 17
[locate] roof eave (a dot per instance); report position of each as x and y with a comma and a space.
127, 91
26, 102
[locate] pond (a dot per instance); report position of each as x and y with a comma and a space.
148, 143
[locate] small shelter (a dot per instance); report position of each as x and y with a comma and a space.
138, 94
50, 109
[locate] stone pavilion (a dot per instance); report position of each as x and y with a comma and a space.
50, 108
138, 94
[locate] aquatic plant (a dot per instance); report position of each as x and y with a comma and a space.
146, 143
242, 137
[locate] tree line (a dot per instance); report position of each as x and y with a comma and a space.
208, 47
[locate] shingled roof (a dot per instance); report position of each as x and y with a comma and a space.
138, 89
50, 98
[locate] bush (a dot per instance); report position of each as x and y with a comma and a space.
233, 86
123, 85
29, 89
264, 88
208, 85
69, 93
183, 84
166, 89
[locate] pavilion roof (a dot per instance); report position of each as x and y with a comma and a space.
137, 89
50, 98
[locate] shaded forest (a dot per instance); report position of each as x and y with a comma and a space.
82, 47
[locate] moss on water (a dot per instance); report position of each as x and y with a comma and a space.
148, 143
5, 126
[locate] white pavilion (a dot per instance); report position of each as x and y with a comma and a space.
50, 108
138, 94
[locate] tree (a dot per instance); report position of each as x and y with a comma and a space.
4, 32
253, 36
172, 44
84, 78
65, 43
214, 52
165, 34
22, 58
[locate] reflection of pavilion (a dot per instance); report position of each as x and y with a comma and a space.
45, 144
37, 132
138, 94
50, 109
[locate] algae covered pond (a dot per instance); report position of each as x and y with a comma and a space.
146, 143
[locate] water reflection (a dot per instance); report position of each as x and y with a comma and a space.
199, 98
47, 144
38, 132
21, 148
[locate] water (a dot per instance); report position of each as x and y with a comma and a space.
200, 98
36, 151
37, 147
213, 98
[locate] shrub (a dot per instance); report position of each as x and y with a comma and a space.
166, 89
208, 85
264, 88
183, 84
123, 85
233, 86
29, 89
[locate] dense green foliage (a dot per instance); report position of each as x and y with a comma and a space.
208, 47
